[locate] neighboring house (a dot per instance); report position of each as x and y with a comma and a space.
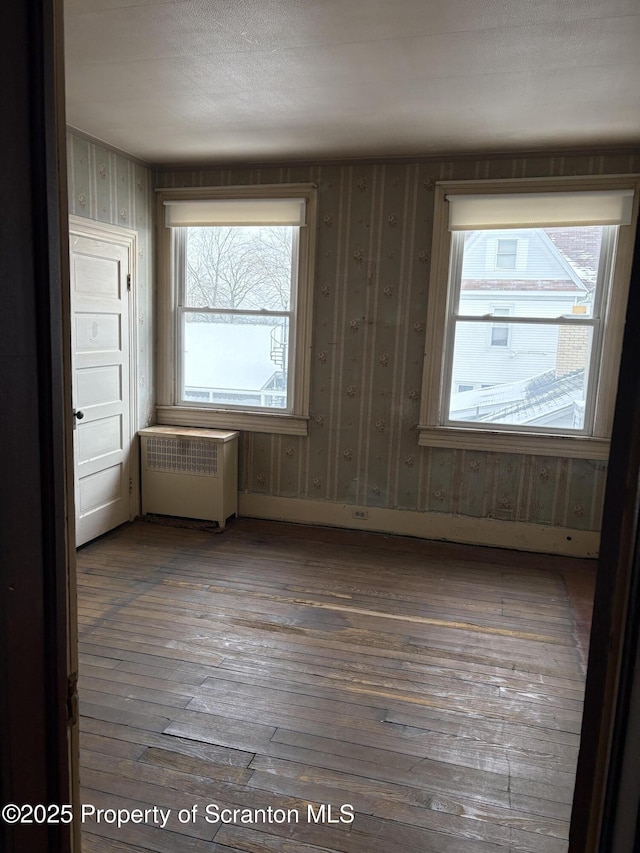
515, 373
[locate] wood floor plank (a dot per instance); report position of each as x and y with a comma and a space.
141, 836
92, 843
441, 608
160, 788
126, 716
349, 841
437, 777
249, 840
312, 612
455, 816
94, 743
383, 673
209, 752
436, 688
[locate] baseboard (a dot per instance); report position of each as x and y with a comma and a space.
493, 532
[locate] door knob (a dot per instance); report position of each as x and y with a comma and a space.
77, 416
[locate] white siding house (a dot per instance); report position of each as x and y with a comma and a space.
522, 273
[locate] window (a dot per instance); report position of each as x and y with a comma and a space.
506, 254
500, 331
539, 339
237, 266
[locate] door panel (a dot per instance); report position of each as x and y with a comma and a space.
98, 384
100, 351
100, 274
97, 334
100, 438
101, 490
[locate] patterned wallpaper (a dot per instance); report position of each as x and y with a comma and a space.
108, 187
372, 277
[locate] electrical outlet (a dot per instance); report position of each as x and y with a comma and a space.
361, 513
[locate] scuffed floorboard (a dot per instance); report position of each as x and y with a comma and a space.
432, 691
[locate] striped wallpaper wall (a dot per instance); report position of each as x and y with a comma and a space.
372, 278
108, 187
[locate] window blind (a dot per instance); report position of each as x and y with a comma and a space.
536, 210
183, 213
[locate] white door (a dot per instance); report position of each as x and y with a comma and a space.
100, 353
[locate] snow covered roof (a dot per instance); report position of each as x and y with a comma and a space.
523, 401
581, 248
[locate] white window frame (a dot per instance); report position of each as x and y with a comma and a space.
170, 410
433, 430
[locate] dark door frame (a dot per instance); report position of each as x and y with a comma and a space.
612, 674
33, 498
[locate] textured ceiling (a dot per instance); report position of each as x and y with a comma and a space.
224, 81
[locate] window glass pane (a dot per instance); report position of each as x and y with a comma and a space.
245, 267
538, 379
506, 255
235, 360
499, 336
540, 272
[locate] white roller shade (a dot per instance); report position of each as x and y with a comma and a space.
234, 211
536, 210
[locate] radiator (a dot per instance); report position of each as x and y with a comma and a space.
190, 473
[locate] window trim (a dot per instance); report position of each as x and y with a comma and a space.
432, 431
172, 412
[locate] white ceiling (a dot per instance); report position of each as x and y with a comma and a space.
221, 81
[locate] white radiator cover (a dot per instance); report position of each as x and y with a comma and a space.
190, 473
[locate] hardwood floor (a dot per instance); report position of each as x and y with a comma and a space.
434, 689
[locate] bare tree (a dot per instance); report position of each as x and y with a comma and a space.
239, 268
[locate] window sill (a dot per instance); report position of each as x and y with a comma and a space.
246, 421
514, 442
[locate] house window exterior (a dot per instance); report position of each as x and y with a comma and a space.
500, 331
506, 254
